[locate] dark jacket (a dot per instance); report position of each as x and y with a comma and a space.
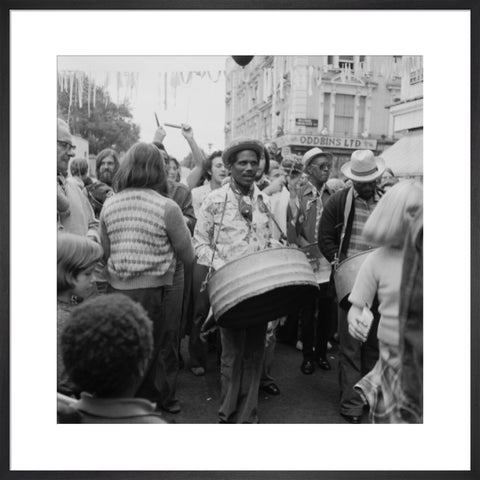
411, 325
331, 224
182, 196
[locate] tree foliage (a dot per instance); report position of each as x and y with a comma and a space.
107, 125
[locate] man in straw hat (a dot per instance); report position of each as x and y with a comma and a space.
238, 210
303, 222
340, 237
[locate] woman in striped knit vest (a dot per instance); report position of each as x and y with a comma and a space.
143, 233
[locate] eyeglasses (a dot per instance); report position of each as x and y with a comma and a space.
66, 145
322, 166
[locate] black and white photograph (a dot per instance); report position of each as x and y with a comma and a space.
239, 240
218, 256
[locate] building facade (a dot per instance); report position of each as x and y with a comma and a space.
338, 103
405, 157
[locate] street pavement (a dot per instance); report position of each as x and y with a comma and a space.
303, 398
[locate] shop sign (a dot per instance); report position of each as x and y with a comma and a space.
327, 141
306, 122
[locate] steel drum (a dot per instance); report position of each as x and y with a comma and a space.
261, 287
346, 273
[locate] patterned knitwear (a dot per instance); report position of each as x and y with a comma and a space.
133, 229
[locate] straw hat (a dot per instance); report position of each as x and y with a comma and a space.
314, 153
239, 144
363, 167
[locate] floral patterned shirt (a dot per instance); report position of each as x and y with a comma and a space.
238, 236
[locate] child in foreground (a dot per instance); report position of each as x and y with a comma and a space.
106, 347
77, 257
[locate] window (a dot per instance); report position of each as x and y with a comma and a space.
361, 115
344, 108
345, 61
326, 110
330, 60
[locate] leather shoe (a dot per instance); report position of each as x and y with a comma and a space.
198, 371
307, 367
352, 418
271, 389
323, 363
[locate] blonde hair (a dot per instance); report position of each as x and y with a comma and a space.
74, 255
388, 223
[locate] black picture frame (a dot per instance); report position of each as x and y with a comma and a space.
6, 7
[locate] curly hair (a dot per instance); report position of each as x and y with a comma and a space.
106, 344
208, 163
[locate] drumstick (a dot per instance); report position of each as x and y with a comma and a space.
172, 125
156, 119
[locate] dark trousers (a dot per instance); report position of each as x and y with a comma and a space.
154, 386
356, 359
317, 318
241, 369
197, 348
171, 338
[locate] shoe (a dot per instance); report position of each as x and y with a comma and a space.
271, 389
352, 418
307, 367
323, 363
173, 407
197, 371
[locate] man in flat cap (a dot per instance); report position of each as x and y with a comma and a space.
340, 237
234, 218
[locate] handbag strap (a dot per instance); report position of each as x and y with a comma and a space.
346, 214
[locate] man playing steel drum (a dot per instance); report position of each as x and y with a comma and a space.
232, 222
340, 238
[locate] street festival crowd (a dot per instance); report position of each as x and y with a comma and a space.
139, 244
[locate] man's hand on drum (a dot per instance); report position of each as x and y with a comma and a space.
356, 328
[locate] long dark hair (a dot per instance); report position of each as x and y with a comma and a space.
106, 152
142, 167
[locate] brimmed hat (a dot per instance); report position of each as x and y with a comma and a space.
363, 167
239, 144
313, 153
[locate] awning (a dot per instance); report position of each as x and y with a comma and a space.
405, 157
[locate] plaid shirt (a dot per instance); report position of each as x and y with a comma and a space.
363, 209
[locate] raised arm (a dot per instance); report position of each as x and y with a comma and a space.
196, 174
